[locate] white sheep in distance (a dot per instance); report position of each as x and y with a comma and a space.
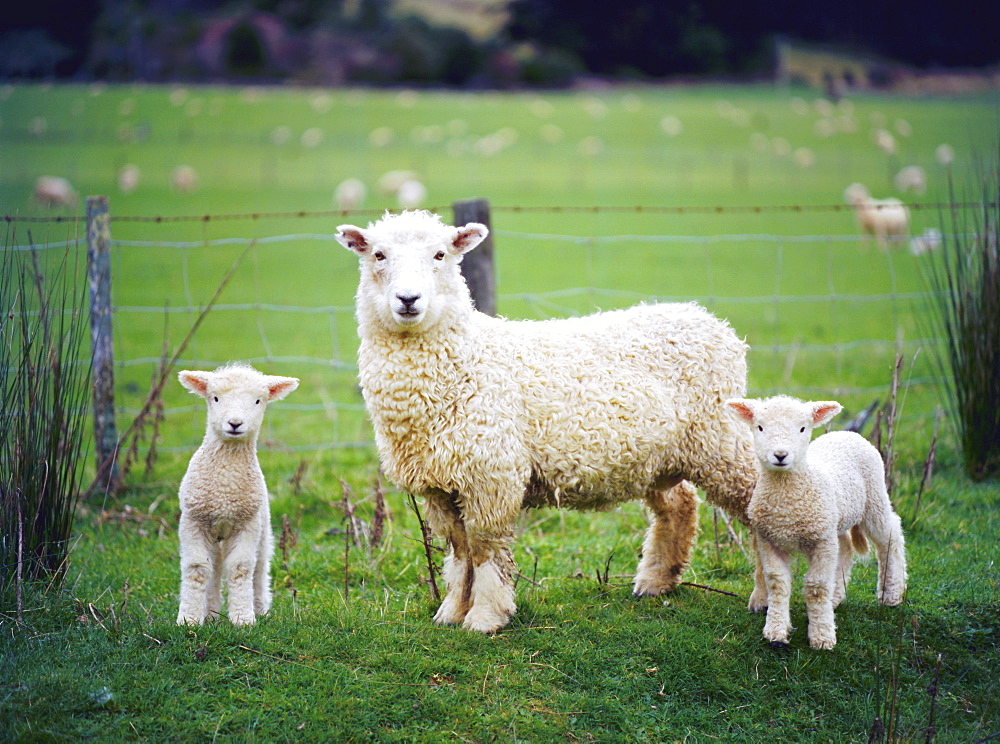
350, 194
824, 499
225, 527
54, 191
184, 179
483, 416
887, 220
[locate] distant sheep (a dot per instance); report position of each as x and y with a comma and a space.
184, 179
911, 178
824, 499
128, 178
54, 191
483, 416
350, 194
411, 194
887, 220
225, 527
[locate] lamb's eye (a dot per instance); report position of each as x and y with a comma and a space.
379, 256
215, 398
802, 430
258, 401
760, 428
439, 256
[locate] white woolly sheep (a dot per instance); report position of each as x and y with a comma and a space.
184, 179
350, 194
225, 527
54, 191
884, 219
483, 416
411, 194
824, 499
128, 178
911, 178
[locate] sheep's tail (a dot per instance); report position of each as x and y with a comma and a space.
858, 540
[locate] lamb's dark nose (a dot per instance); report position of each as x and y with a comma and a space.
408, 300
779, 456
234, 425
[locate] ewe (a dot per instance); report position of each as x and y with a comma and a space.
884, 219
822, 499
225, 528
483, 416
54, 191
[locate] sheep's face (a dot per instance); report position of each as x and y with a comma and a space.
782, 427
410, 268
236, 398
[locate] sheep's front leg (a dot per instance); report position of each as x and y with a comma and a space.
666, 551
490, 582
196, 574
239, 563
778, 579
818, 586
445, 520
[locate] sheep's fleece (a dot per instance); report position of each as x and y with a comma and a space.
225, 527
484, 416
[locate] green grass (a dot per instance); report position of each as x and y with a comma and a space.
582, 660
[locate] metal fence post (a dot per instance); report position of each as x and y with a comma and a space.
477, 266
99, 280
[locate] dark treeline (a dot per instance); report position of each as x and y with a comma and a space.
543, 42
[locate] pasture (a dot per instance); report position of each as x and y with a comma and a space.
349, 651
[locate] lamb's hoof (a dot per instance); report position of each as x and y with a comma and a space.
779, 644
651, 589
485, 621
448, 614
241, 619
822, 645
757, 608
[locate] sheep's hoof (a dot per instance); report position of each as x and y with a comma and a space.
779, 644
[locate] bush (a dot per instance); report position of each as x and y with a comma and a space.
45, 376
965, 281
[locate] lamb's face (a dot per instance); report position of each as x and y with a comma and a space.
410, 268
237, 397
782, 427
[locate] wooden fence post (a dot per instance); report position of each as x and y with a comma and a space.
99, 280
477, 266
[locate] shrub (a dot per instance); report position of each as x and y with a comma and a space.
965, 282
45, 375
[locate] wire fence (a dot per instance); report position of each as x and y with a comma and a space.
825, 314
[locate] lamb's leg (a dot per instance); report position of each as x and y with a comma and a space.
196, 574
778, 578
490, 582
887, 533
445, 519
666, 551
239, 563
262, 571
844, 565
215, 585
818, 587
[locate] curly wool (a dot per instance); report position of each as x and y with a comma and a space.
485, 416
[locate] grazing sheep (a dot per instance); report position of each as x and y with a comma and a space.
411, 194
884, 219
128, 178
54, 191
911, 178
349, 194
184, 179
483, 416
225, 527
824, 499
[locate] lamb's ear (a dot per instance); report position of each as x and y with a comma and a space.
468, 237
196, 382
743, 408
279, 387
824, 410
353, 238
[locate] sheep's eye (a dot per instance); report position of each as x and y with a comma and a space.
802, 430
258, 401
379, 256
439, 256
760, 428
215, 398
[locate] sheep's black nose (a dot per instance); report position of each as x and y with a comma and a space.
780, 457
408, 300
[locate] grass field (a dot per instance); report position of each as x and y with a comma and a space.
583, 660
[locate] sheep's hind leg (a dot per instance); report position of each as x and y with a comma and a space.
891, 552
666, 551
490, 583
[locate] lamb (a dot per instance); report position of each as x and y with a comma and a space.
824, 499
184, 179
884, 219
349, 194
483, 416
225, 527
54, 191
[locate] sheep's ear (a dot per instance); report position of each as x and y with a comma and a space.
823, 411
743, 408
468, 237
196, 382
279, 387
353, 238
